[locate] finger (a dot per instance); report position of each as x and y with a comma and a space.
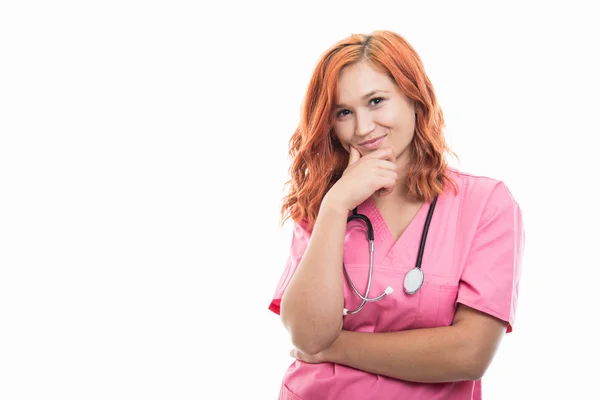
384, 192
386, 165
387, 186
388, 174
384, 153
354, 156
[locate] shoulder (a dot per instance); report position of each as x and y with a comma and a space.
481, 194
472, 182
301, 230
479, 187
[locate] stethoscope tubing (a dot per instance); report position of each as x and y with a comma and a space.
371, 238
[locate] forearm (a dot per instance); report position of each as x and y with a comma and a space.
312, 305
420, 355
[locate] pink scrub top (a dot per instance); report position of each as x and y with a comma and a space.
472, 256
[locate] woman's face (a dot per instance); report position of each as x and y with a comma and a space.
370, 105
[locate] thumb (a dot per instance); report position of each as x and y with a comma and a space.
354, 156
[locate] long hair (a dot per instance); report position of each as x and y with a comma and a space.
318, 161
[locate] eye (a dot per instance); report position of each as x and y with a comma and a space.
376, 100
342, 113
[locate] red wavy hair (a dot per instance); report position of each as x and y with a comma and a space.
318, 161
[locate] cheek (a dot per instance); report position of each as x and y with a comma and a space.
386, 118
397, 118
343, 132
396, 122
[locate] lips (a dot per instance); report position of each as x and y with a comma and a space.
373, 143
372, 140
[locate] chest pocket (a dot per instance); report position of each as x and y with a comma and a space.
392, 313
436, 305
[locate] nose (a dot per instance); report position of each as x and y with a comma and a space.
364, 124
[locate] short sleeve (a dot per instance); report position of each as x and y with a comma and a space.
490, 278
300, 238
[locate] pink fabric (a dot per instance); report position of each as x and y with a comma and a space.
472, 256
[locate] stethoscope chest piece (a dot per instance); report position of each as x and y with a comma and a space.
413, 280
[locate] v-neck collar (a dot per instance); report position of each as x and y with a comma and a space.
405, 248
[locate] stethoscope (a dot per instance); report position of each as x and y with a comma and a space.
413, 280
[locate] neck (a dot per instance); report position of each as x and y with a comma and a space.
400, 191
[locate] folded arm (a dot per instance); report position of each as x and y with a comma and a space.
462, 351
312, 304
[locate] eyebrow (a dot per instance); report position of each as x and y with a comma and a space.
364, 97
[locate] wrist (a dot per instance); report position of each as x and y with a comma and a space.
331, 203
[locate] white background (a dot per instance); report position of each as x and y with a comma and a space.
143, 152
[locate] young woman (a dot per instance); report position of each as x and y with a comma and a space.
447, 245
